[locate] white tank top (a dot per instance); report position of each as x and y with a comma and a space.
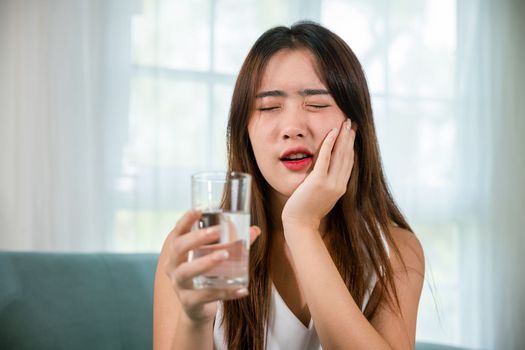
285, 330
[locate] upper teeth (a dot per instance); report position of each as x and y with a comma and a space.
297, 156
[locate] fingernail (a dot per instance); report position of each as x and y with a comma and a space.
241, 292
212, 231
220, 255
333, 132
348, 124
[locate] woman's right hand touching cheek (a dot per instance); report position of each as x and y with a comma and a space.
199, 305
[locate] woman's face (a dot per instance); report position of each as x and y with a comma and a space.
293, 113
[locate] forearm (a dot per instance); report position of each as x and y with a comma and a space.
338, 320
189, 335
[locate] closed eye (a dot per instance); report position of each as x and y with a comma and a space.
318, 106
262, 109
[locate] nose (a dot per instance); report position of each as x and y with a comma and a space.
293, 124
291, 133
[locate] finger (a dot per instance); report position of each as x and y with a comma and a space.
254, 233
186, 222
185, 272
343, 159
193, 240
208, 295
323, 159
351, 146
225, 294
340, 151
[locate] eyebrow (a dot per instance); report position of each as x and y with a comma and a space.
273, 93
280, 93
311, 92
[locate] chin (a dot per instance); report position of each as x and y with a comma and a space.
288, 188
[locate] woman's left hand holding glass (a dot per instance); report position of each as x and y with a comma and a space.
326, 183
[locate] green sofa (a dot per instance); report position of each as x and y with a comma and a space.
80, 301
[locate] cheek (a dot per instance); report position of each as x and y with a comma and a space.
261, 133
259, 144
324, 126
330, 118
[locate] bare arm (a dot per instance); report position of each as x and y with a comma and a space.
395, 328
182, 316
170, 328
338, 319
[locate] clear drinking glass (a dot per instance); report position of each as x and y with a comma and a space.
224, 199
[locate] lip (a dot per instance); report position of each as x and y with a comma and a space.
296, 165
295, 150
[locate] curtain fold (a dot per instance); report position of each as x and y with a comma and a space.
491, 77
507, 182
62, 91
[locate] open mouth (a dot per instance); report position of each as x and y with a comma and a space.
297, 161
296, 157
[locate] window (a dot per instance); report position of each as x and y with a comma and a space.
186, 55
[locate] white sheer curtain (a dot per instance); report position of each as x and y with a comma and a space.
492, 76
107, 107
63, 104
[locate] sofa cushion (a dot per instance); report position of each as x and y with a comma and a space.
76, 301
81, 301
431, 346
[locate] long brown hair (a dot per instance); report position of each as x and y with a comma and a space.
355, 223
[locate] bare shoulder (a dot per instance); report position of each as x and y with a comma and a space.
165, 250
410, 249
398, 326
166, 306
162, 282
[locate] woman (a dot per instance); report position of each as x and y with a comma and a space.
335, 265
